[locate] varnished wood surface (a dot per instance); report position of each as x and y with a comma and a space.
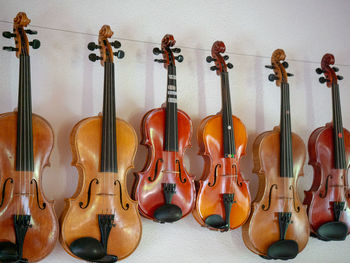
150, 194
318, 200
209, 199
262, 228
106, 196
41, 238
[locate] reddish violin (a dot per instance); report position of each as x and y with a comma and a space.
164, 189
278, 226
223, 198
28, 223
328, 199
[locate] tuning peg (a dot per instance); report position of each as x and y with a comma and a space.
335, 69
340, 77
159, 60
269, 66
31, 32
8, 34
35, 44
229, 65
285, 64
319, 71
93, 57
10, 48
92, 46
157, 51
176, 50
119, 54
116, 44
179, 58
322, 80
272, 77
212, 68
226, 57
290, 74
210, 59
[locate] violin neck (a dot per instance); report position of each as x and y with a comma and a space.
286, 153
227, 124
24, 147
171, 129
338, 134
109, 143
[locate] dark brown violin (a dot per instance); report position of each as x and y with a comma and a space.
223, 198
164, 190
28, 223
100, 222
328, 199
278, 226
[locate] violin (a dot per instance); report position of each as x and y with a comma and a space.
100, 222
278, 226
28, 223
164, 189
328, 199
223, 198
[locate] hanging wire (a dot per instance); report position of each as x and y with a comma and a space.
155, 43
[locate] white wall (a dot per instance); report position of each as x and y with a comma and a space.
67, 87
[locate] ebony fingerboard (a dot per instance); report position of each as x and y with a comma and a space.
338, 134
286, 153
24, 146
109, 143
227, 124
171, 130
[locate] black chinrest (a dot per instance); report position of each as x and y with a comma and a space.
8, 252
283, 249
216, 221
88, 248
107, 259
336, 231
168, 213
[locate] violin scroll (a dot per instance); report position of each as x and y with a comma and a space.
329, 72
20, 35
106, 51
220, 61
168, 42
279, 68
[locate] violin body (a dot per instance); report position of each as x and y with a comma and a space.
164, 166
329, 184
275, 194
41, 237
216, 179
107, 195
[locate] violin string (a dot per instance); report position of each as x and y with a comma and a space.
235, 53
103, 139
335, 126
26, 135
114, 137
340, 127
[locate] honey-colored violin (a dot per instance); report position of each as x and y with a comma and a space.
164, 189
223, 198
278, 226
28, 223
100, 222
328, 199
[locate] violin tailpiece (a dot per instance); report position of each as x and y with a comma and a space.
169, 191
105, 223
338, 207
21, 224
284, 221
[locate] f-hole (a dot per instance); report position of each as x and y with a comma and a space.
179, 170
215, 175
121, 196
296, 208
155, 171
326, 187
89, 194
268, 207
37, 195
3, 190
